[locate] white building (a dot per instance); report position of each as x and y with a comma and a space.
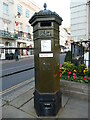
6, 15
79, 19
88, 18
15, 30
64, 39
24, 31
7, 37
80, 22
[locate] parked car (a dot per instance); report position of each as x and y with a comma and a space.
9, 56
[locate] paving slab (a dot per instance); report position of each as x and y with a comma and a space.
75, 108
71, 108
29, 106
65, 99
22, 99
12, 112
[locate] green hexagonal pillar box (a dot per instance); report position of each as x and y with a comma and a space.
47, 95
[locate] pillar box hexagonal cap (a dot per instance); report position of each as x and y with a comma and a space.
45, 15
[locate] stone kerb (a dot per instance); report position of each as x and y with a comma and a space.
74, 89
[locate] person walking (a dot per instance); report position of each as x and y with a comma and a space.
16, 55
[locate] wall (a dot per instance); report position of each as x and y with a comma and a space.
78, 19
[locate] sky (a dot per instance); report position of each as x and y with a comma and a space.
62, 7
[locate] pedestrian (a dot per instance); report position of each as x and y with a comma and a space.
16, 55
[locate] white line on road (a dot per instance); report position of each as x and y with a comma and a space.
16, 67
17, 86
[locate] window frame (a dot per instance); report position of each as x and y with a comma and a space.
27, 29
27, 13
19, 9
5, 8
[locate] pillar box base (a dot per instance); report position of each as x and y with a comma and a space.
47, 104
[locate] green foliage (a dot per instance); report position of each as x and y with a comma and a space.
88, 72
68, 56
80, 69
69, 71
68, 66
6, 102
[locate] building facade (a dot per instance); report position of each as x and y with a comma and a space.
80, 19
15, 30
88, 18
80, 26
24, 9
64, 39
7, 36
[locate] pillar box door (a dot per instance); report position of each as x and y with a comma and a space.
47, 95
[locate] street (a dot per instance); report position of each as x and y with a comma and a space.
18, 72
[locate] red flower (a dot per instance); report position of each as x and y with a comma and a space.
69, 72
68, 76
60, 74
74, 76
88, 78
84, 78
81, 78
60, 65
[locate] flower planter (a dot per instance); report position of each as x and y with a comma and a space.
74, 89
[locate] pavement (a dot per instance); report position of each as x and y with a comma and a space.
13, 60
22, 106
74, 102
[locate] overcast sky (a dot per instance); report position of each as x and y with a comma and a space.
62, 7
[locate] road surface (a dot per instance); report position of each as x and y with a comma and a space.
13, 77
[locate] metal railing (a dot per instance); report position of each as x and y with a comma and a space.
7, 34
15, 35
23, 34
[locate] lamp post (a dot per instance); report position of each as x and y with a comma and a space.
81, 50
89, 50
72, 41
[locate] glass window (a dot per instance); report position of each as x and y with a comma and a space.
6, 26
27, 29
20, 27
5, 8
27, 13
19, 9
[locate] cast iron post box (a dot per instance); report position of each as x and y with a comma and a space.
47, 95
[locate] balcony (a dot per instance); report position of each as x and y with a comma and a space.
21, 34
7, 35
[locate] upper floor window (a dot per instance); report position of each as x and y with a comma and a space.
27, 29
20, 26
19, 9
6, 26
27, 13
5, 8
